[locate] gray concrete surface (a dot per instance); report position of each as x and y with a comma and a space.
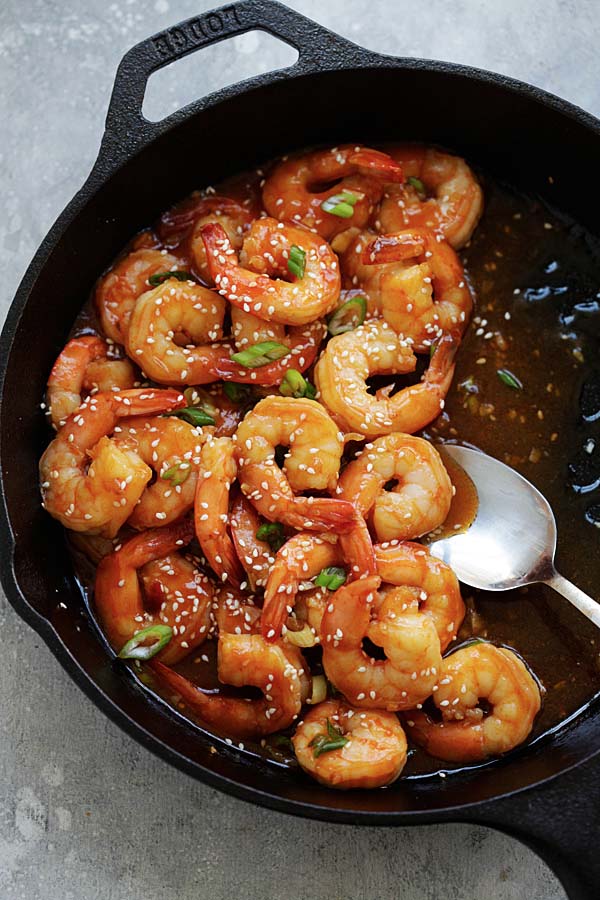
86, 814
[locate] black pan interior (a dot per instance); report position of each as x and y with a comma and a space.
516, 135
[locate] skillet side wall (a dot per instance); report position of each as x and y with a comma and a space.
515, 136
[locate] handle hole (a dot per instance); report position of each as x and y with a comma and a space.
185, 80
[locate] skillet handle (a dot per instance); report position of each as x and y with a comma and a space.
126, 127
560, 821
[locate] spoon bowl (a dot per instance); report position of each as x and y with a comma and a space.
512, 540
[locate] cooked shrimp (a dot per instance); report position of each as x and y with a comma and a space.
408, 638
182, 221
455, 200
234, 612
467, 731
172, 331
244, 660
301, 558
233, 218
88, 482
373, 751
254, 554
118, 290
84, 364
247, 329
312, 463
297, 188
375, 349
255, 282
422, 299
303, 343
218, 471
176, 592
430, 585
171, 448
418, 499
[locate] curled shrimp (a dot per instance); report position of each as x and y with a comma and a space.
400, 482
312, 463
297, 187
171, 448
301, 558
175, 592
88, 482
117, 291
424, 298
448, 200
430, 586
375, 349
468, 732
172, 331
244, 660
254, 281
254, 554
407, 636
180, 225
84, 365
218, 472
373, 752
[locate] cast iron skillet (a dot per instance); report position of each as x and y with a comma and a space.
547, 796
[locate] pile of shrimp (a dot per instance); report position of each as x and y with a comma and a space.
220, 456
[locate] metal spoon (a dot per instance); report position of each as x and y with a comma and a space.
512, 540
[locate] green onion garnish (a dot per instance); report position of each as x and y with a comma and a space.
295, 385
178, 473
272, 533
341, 205
160, 277
510, 380
282, 740
192, 414
417, 184
331, 578
137, 649
325, 743
296, 261
237, 393
348, 316
260, 354
201, 399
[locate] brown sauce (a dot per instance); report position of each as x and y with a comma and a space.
536, 278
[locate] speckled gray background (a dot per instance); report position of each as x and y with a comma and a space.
85, 813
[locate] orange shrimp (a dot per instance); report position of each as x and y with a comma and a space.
468, 732
176, 593
88, 482
298, 187
440, 193
218, 471
255, 283
83, 364
254, 554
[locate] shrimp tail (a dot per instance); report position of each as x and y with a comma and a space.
148, 401
389, 248
357, 549
224, 713
322, 514
376, 164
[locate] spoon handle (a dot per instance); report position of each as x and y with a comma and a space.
581, 601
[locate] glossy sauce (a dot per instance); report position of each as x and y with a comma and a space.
536, 279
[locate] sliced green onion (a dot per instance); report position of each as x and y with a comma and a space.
272, 533
303, 638
296, 261
160, 277
192, 414
260, 354
332, 578
237, 393
510, 380
341, 205
348, 316
319, 690
294, 384
137, 649
417, 184
325, 743
178, 473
